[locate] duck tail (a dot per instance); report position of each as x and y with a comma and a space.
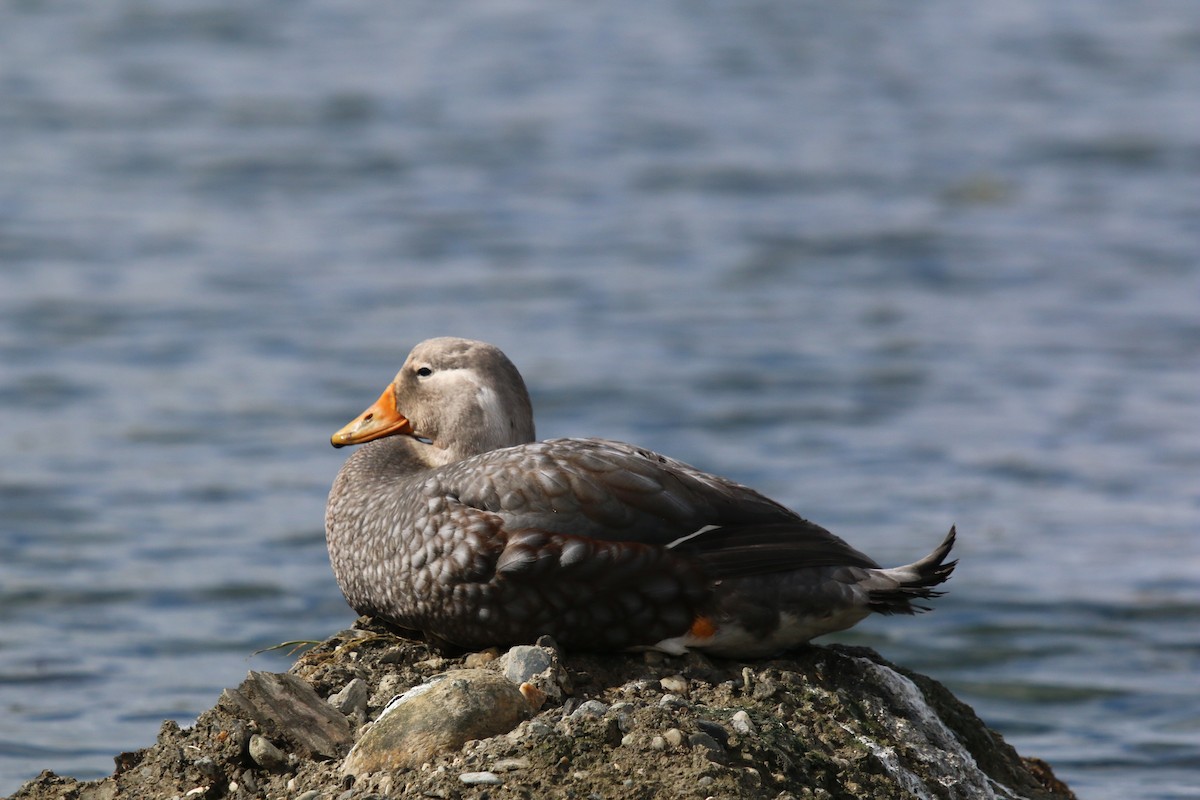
897, 588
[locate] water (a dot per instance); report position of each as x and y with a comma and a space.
896, 266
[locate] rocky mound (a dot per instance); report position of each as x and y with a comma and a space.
827, 722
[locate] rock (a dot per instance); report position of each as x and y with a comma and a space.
103, 790
533, 695
539, 667
484, 778
747, 680
672, 701
523, 662
436, 717
714, 730
287, 707
266, 754
532, 730
709, 745
765, 687
828, 722
741, 723
674, 737
675, 684
352, 699
590, 708
481, 659
388, 688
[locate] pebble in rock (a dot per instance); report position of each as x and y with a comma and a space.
590, 708
672, 701
483, 657
352, 698
708, 745
742, 724
266, 754
537, 665
533, 695
532, 730
480, 778
523, 662
714, 729
386, 690
436, 717
765, 687
675, 684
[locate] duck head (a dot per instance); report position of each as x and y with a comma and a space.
452, 399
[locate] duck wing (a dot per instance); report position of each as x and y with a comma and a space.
577, 490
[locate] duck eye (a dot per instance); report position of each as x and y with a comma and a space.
424, 372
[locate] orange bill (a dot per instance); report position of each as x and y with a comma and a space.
381, 419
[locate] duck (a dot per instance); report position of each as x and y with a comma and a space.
451, 521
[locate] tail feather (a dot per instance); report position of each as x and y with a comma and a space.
914, 581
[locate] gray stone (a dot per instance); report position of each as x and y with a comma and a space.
674, 737
266, 754
531, 731
590, 708
714, 729
709, 745
834, 722
480, 778
352, 698
675, 684
286, 704
481, 659
435, 717
523, 662
672, 701
104, 790
248, 782
765, 687
389, 687
742, 724
537, 667
639, 685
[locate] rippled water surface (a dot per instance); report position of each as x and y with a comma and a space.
897, 266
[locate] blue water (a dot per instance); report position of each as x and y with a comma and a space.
896, 265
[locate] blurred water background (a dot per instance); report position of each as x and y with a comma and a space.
896, 265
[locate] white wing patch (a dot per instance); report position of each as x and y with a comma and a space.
692, 535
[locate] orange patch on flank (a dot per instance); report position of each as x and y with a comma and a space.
703, 628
